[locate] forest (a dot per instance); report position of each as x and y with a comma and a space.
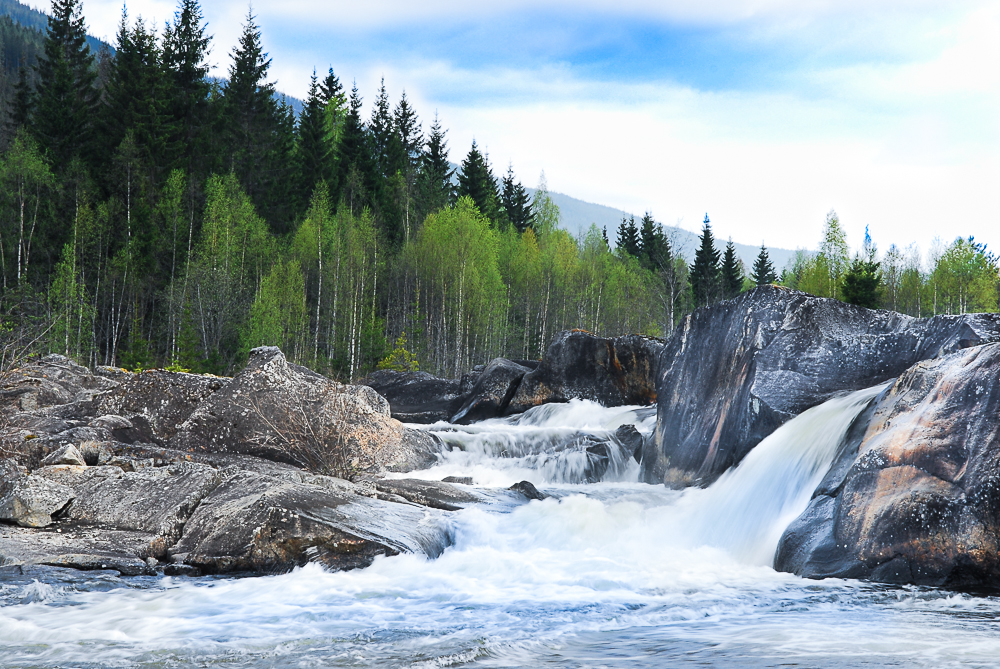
152, 215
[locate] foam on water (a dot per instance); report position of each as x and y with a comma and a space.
616, 574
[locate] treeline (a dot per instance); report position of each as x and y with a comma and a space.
154, 216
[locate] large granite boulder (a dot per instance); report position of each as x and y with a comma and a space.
254, 522
492, 391
164, 399
280, 411
50, 381
733, 372
30, 501
577, 364
919, 498
418, 397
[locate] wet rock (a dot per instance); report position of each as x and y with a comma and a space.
734, 372
252, 522
87, 548
435, 494
462, 480
32, 501
492, 392
528, 489
67, 455
577, 364
418, 397
919, 502
287, 413
164, 399
631, 441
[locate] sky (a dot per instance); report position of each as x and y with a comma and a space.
764, 114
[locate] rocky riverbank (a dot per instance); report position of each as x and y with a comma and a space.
183, 474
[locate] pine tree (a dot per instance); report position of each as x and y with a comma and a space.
63, 120
763, 270
477, 182
731, 275
705, 270
515, 202
628, 237
185, 49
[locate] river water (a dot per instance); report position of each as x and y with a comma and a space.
608, 574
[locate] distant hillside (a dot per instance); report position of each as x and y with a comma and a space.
577, 215
35, 21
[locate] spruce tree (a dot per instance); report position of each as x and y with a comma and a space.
311, 148
407, 126
63, 119
185, 49
705, 270
354, 171
434, 183
763, 270
476, 181
380, 136
731, 275
628, 237
515, 201
863, 279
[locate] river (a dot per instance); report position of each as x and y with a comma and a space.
609, 574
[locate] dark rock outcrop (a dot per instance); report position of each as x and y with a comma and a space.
253, 522
734, 372
577, 364
417, 397
493, 390
918, 501
433, 494
164, 399
287, 413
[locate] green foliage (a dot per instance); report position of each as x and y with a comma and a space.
705, 273
763, 269
628, 237
731, 273
278, 315
862, 283
476, 182
400, 359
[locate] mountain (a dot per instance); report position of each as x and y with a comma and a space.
577, 215
35, 20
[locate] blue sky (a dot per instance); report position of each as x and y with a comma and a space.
764, 113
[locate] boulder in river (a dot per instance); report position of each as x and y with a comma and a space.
280, 411
492, 392
915, 497
734, 372
578, 364
254, 522
417, 397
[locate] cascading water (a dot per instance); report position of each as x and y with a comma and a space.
612, 574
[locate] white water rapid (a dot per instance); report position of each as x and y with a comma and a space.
608, 574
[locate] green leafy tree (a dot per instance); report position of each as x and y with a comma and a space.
705, 271
278, 315
833, 255
27, 186
400, 359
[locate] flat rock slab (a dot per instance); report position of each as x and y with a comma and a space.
434, 494
253, 522
154, 500
77, 547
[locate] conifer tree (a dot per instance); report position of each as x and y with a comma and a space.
185, 49
763, 270
477, 182
23, 100
515, 201
863, 279
354, 171
732, 272
705, 270
407, 126
434, 185
63, 119
312, 150
628, 237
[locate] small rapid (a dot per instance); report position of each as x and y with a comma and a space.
609, 574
